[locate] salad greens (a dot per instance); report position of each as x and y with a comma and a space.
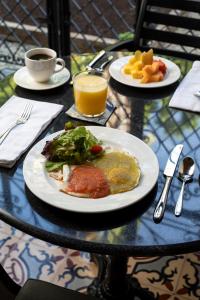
71, 147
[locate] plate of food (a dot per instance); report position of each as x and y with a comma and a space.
91, 169
144, 70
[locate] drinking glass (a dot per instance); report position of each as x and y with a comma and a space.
90, 93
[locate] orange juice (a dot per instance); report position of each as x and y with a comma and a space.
90, 93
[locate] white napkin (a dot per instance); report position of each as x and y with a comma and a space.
22, 136
184, 96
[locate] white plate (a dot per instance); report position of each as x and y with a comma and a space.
23, 79
172, 75
47, 189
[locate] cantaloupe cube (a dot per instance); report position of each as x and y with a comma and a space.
147, 57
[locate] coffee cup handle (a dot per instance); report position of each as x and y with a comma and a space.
61, 61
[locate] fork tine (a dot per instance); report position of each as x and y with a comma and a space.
20, 120
25, 109
28, 112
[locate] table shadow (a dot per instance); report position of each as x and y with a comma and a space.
143, 93
90, 221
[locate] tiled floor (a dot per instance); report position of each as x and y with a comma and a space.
169, 278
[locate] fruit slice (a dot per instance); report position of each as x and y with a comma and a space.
147, 57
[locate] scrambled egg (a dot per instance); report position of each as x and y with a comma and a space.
121, 170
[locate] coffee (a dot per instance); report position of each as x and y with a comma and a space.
42, 63
40, 56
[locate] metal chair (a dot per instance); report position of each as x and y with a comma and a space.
169, 27
36, 290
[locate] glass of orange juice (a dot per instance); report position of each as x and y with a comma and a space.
90, 93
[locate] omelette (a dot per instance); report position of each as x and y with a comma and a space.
114, 172
121, 171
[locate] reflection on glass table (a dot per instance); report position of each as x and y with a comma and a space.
116, 235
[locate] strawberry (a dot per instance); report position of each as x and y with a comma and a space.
162, 66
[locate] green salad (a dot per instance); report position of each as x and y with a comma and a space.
72, 147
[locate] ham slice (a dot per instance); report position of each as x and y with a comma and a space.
87, 181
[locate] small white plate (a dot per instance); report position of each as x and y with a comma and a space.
172, 75
47, 189
23, 79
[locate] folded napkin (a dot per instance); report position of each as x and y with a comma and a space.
184, 96
23, 135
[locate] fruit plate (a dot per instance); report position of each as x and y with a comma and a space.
172, 74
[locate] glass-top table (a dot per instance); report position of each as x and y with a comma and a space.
129, 231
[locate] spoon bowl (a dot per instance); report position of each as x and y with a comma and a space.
186, 171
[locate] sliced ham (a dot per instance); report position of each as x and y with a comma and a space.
87, 181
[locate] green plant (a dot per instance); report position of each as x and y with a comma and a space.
124, 36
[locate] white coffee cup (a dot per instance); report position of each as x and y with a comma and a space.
42, 63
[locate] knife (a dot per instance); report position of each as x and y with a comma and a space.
168, 172
93, 62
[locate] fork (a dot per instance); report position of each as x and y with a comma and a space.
21, 120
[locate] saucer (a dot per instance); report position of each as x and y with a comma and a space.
24, 79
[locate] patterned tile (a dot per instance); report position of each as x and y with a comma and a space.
24, 257
188, 285
169, 278
157, 272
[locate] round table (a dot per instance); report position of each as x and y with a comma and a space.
114, 236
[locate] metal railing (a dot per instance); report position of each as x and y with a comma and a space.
64, 25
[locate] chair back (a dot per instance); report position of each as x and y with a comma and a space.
169, 26
8, 288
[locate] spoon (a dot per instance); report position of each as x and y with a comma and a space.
186, 171
99, 69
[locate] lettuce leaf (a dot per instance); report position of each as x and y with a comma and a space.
53, 166
71, 147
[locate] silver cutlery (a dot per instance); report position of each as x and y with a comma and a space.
99, 69
94, 61
102, 66
168, 173
186, 171
20, 120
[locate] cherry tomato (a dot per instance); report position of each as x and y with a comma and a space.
96, 149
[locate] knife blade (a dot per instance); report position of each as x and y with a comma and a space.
168, 172
96, 58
